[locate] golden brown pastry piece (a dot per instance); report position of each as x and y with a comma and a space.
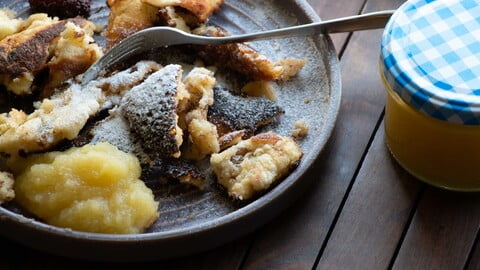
9, 25
202, 9
244, 59
55, 119
7, 192
128, 17
74, 53
26, 53
203, 135
253, 165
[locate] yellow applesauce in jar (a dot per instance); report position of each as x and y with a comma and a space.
430, 66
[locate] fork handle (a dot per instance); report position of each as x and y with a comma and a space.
367, 21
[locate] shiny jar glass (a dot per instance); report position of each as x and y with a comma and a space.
430, 66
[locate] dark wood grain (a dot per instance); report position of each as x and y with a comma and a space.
229, 256
473, 262
374, 215
294, 239
328, 9
442, 232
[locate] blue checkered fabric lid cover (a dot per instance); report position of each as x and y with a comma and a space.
431, 58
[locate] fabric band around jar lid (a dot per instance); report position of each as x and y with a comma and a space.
431, 58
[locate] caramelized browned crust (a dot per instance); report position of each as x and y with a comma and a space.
181, 170
230, 139
128, 17
238, 57
74, 53
27, 52
24, 54
202, 9
231, 113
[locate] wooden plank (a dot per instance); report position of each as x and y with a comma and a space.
229, 256
294, 239
336, 9
474, 260
375, 213
442, 232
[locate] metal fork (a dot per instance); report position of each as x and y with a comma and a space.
156, 37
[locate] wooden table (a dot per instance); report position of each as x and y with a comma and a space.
363, 212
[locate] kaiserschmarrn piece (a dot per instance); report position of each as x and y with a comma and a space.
151, 110
253, 165
183, 171
7, 192
24, 54
9, 25
128, 17
260, 89
244, 59
95, 188
232, 113
173, 17
230, 139
55, 119
201, 9
203, 135
74, 53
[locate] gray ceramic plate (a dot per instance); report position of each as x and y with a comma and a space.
191, 220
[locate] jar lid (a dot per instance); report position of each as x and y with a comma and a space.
431, 58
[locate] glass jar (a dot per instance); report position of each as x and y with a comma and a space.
431, 71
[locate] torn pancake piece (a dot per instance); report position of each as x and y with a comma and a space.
201, 9
9, 25
128, 17
170, 16
117, 84
230, 139
244, 59
55, 119
232, 113
24, 54
253, 165
182, 170
150, 109
7, 192
74, 53
203, 135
